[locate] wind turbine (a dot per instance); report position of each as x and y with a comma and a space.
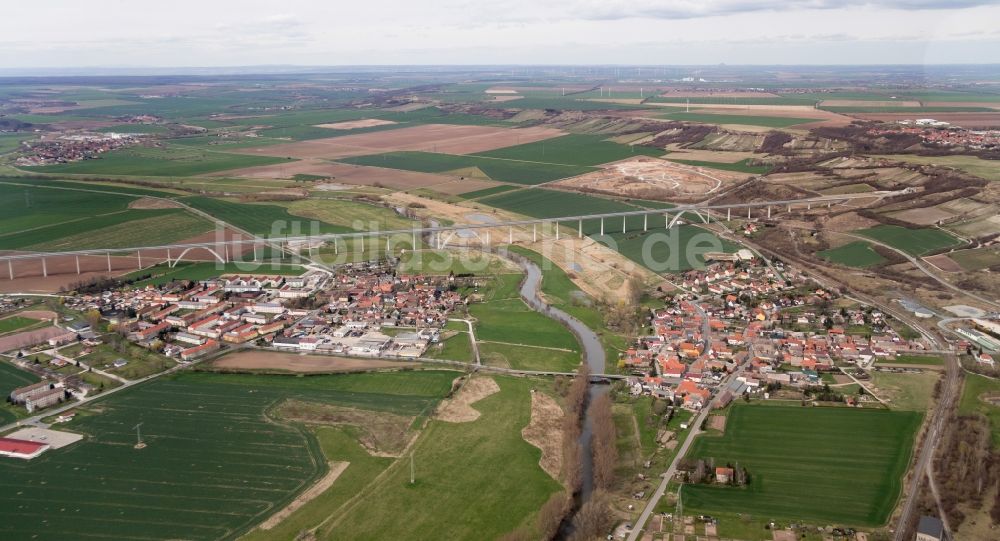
138, 437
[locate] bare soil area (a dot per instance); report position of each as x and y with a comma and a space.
444, 138
355, 124
717, 422
651, 178
336, 468
458, 409
149, 203
41, 315
944, 263
545, 432
29, 338
290, 362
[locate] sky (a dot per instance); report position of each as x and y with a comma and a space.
207, 33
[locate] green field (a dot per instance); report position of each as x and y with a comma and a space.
572, 149
913, 241
744, 120
518, 172
13, 323
352, 215
910, 110
186, 270
67, 215
742, 166
680, 249
853, 254
818, 465
458, 493
909, 392
931, 360
976, 388
11, 378
176, 161
504, 317
214, 466
487, 191
264, 219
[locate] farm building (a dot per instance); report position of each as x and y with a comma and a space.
25, 449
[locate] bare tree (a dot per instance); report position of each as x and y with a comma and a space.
603, 444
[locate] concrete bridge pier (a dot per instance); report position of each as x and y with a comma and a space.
10, 268
78, 264
624, 219
109, 261
45, 270
602, 227
510, 235
139, 255
534, 232
748, 213
579, 229
729, 214
769, 212
557, 229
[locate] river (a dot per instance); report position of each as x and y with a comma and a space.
593, 354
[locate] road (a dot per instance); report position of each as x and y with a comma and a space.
472, 340
693, 431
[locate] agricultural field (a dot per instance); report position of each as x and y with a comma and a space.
818, 465
11, 378
265, 219
172, 160
915, 242
905, 391
14, 323
186, 270
455, 466
185, 483
742, 166
988, 169
353, 215
572, 149
978, 388
487, 191
504, 170
679, 249
857, 254
976, 259
744, 120
68, 215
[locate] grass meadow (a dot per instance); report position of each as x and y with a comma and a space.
504, 170
857, 254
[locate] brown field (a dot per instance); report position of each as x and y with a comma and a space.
990, 104
343, 173
865, 103
38, 314
501, 91
29, 338
922, 216
966, 120
147, 203
458, 409
457, 187
444, 138
944, 263
647, 177
721, 156
291, 362
355, 124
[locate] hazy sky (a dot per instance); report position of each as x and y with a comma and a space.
112, 33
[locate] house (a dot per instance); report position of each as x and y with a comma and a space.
198, 351
723, 475
44, 399
929, 529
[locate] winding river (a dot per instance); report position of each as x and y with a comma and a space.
593, 354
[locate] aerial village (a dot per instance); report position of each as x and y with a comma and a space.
784, 335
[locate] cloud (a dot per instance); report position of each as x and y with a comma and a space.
601, 10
